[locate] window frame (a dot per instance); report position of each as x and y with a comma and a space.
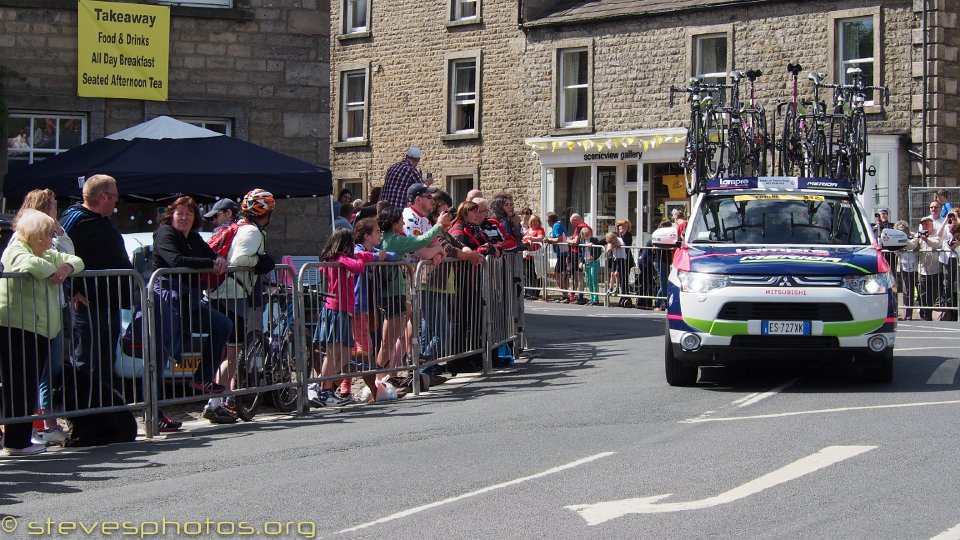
350, 32
344, 72
456, 17
835, 49
452, 176
206, 122
451, 61
562, 127
715, 76
695, 36
32, 151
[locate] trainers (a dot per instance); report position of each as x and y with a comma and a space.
219, 415
208, 387
168, 425
50, 436
31, 450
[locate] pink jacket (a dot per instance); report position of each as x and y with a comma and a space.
340, 280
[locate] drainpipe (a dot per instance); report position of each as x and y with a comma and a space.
923, 100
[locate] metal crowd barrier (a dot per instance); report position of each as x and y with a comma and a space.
561, 271
927, 288
141, 345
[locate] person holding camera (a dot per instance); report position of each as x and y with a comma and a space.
927, 246
881, 221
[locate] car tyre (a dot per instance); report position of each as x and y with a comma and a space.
882, 372
677, 373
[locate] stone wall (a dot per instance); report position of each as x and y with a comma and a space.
634, 62
263, 64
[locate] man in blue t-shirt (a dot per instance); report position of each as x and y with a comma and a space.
558, 236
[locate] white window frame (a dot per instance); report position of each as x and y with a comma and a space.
455, 180
835, 64
348, 13
843, 64
713, 76
220, 125
562, 104
452, 101
457, 101
457, 9
346, 74
16, 153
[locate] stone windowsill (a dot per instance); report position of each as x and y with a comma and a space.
460, 136
351, 144
563, 132
355, 35
464, 22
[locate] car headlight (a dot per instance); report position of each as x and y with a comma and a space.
698, 282
869, 284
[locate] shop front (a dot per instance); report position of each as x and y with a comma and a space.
606, 177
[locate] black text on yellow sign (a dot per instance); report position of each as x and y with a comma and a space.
123, 50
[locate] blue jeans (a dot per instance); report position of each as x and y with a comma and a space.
96, 330
51, 371
663, 272
177, 314
435, 325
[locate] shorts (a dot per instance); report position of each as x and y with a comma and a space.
238, 313
334, 327
361, 333
393, 306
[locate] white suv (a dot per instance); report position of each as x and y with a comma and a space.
777, 268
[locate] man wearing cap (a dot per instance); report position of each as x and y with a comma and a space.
223, 213
882, 222
400, 176
926, 245
416, 217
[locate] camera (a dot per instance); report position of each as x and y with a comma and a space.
923, 234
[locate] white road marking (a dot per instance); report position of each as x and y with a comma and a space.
945, 373
818, 411
595, 514
901, 349
757, 397
487, 489
952, 533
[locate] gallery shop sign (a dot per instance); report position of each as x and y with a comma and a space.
123, 50
627, 154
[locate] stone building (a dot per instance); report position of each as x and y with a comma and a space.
565, 104
254, 69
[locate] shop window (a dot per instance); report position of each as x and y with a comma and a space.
571, 192
463, 102
34, 137
353, 106
574, 90
356, 16
711, 58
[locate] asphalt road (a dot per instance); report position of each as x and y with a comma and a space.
583, 440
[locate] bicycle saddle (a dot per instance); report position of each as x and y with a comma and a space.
753, 74
794, 68
854, 71
817, 78
736, 75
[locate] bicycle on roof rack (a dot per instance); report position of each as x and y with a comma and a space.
703, 154
848, 133
746, 127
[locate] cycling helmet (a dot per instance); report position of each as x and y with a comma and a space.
258, 202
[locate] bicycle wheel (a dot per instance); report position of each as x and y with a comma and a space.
760, 141
283, 369
689, 161
816, 155
790, 161
736, 152
250, 361
858, 151
714, 135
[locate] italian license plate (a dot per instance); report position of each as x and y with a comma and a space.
785, 328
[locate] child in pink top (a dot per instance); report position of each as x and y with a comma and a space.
334, 330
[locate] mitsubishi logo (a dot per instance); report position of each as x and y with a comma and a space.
785, 281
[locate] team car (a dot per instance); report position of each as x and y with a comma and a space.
776, 268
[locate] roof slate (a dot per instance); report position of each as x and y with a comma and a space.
577, 10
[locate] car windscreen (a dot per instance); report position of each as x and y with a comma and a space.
778, 218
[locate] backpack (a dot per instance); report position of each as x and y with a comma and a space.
220, 243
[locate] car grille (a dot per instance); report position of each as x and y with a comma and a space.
774, 281
785, 311
785, 342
